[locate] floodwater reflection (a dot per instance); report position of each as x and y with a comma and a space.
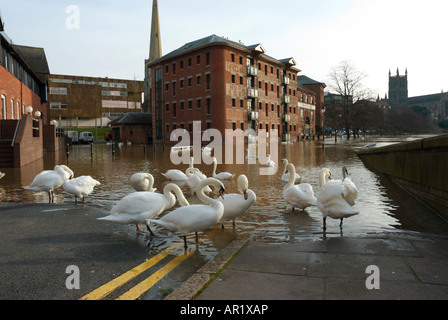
270, 219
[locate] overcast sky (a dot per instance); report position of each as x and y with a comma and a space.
111, 38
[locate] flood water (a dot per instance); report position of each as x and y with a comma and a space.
379, 202
384, 207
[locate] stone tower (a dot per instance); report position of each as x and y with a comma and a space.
398, 88
155, 52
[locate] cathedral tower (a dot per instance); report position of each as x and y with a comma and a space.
398, 88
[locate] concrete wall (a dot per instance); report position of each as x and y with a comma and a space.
419, 166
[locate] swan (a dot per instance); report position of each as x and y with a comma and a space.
336, 198
285, 175
221, 175
197, 217
136, 207
80, 187
194, 177
175, 175
143, 181
49, 180
298, 196
235, 204
269, 162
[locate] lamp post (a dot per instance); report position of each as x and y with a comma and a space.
323, 134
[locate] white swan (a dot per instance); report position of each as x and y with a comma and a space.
136, 207
221, 175
194, 177
142, 181
269, 162
175, 175
336, 198
298, 196
236, 204
197, 217
49, 180
285, 174
80, 187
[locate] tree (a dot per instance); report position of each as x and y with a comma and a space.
346, 82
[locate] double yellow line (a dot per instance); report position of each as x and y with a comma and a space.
146, 284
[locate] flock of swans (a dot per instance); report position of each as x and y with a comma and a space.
336, 198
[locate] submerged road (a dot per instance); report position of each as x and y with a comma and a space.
57, 252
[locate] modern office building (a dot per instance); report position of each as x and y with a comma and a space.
78, 101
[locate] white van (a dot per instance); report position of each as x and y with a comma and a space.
86, 137
72, 135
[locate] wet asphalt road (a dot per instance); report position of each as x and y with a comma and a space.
39, 242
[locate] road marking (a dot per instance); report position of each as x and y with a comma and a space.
146, 284
112, 285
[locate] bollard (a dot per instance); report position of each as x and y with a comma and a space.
91, 149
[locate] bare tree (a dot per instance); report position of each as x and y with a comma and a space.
346, 82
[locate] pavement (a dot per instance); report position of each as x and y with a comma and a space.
40, 241
388, 266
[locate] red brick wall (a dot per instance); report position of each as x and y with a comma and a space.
12, 89
223, 91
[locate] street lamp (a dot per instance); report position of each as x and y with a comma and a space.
323, 135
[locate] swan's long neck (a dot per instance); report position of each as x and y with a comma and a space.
284, 167
212, 202
322, 180
292, 176
169, 197
214, 167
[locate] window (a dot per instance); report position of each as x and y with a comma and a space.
199, 103
189, 62
198, 80
198, 59
174, 109
207, 81
209, 106
232, 57
207, 58
181, 64
12, 109
233, 78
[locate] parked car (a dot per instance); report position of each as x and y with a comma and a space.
73, 135
86, 137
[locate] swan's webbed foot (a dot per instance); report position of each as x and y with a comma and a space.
139, 231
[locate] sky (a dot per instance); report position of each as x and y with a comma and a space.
111, 38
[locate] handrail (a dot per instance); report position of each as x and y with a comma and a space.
15, 133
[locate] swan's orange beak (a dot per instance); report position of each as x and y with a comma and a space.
245, 195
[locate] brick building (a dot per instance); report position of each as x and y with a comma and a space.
24, 135
23, 79
79, 101
228, 85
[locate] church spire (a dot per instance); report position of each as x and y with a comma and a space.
155, 46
